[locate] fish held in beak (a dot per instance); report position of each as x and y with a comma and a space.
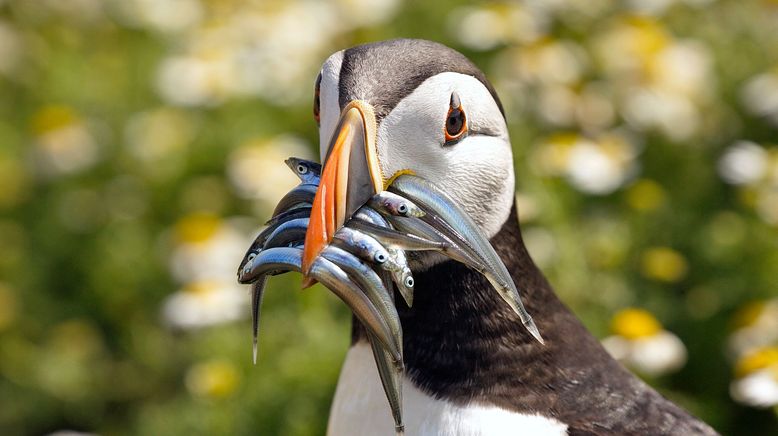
447, 217
349, 178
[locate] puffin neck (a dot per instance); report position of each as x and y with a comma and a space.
462, 342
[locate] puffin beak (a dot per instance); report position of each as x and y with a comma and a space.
350, 177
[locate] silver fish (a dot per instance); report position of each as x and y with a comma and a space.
389, 370
287, 233
369, 281
308, 171
392, 381
392, 204
370, 215
391, 237
262, 237
337, 281
301, 211
282, 259
450, 249
397, 264
300, 195
446, 215
403, 277
257, 295
366, 247
272, 261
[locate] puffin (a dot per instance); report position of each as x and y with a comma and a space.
471, 369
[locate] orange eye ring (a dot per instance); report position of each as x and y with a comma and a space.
455, 127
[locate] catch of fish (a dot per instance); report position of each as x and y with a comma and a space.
366, 259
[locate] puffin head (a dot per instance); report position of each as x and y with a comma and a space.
408, 106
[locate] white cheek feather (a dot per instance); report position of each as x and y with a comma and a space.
360, 408
478, 171
329, 106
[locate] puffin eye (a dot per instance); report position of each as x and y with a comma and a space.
456, 121
302, 169
316, 103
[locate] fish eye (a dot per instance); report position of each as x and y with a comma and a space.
403, 209
409, 282
456, 121
380, 257
302, 169
251, 257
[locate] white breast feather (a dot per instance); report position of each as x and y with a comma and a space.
360, 408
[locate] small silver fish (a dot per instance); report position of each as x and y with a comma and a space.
403, 277
365, 247
371, 284
287, 233
270, 262
262, 237
399, 277
337, 281
282, 259
308, 171
273, 261
301, 211
391, 237
257, 295
392, 381
300, 195
446, 216
450, 249
390, 203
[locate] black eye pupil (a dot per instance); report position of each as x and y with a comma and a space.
455, 122
301, 169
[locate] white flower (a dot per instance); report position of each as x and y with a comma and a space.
654, 355
63, 143
671, 113
484, 28
757, 327
760, 95
257, 171
640, 343
10, 49
759, 389
756, 382
205, 303
168, 16
206, 249
367, 12
743, 163
597, 165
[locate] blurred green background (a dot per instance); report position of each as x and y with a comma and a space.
141, 148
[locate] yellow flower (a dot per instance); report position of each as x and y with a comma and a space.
214, 379
748, 314
197, 228
53, 117
645, 195
762, 358
664, 264
635, 323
